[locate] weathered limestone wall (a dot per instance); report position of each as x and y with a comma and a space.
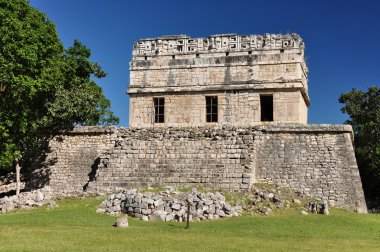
75, 154
317, 160
217, 71
187, 157
235, 108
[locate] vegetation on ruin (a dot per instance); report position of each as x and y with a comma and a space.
364, 111
74, 226
43, 87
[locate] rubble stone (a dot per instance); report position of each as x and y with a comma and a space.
170, 205
122, 222
27, 200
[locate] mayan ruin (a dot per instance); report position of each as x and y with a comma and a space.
224, 112
189, 126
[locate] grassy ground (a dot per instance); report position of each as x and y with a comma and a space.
74, 226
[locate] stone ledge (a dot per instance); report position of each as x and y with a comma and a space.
268, 128
89, 130
170, 64
307, 128
248, 85
274, 128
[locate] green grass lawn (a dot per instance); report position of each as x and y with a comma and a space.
74, 226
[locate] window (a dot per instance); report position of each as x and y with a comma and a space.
266, 105
212, 108
159, 110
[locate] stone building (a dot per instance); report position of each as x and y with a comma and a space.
224, 79
224, 112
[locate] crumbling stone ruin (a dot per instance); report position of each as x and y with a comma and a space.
223, 112
173, 204
169, 205
27, 200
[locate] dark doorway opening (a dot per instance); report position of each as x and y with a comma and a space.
266, 105
211, 108
159, 110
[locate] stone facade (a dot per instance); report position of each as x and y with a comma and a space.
223, 112
317, 160
236, 69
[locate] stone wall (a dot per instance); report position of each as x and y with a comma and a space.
317, 160
204, 73
186, 157
235, 108
74, 156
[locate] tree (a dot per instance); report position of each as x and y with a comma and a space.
43, 87
364, 111
79, 100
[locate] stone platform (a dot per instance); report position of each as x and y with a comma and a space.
317, 160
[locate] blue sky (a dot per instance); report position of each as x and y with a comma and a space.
342, 38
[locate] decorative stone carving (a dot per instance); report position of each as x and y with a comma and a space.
182, 44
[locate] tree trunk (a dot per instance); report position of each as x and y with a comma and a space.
18, 183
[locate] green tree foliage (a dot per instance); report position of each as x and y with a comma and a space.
79, 100
364, 111
43, 87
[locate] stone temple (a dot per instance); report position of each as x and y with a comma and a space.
224, 79
223, 112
